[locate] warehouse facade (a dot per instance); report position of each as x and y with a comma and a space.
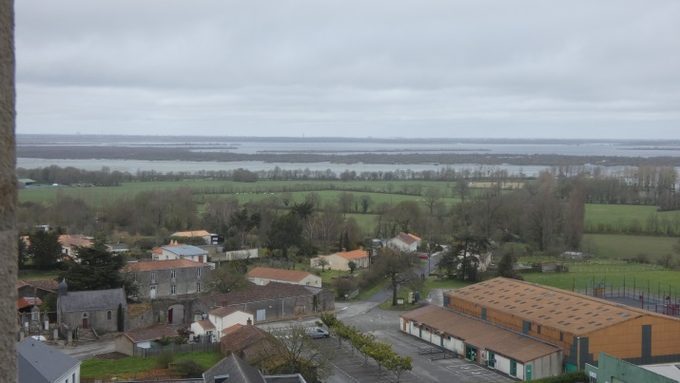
509, 352
581, 326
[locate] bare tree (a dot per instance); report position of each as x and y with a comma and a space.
8, 194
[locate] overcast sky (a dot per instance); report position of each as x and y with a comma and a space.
572, 69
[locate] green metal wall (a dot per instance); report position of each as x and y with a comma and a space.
610, 370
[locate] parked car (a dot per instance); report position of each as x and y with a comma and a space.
317, 333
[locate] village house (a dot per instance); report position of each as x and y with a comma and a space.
248, 342
161, 279
179, 251
271, 302
263, 275
96, 309
219, 319
208, 238
71, 242
405, 242
40, 363
340, 261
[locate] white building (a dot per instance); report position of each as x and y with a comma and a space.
405, 242
224, 317
178, 251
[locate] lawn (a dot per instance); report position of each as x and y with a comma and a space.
619, 246
129, 366
613, 273
38, 274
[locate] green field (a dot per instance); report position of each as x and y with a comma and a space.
130, 366
380, 191
620, 246
612, 273
631, 219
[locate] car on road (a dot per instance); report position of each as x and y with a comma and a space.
317, 332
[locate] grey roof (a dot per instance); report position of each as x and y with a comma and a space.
38, 363
291, 378
238, 371
94, 300
185, 250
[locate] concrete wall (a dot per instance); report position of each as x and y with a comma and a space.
124, 345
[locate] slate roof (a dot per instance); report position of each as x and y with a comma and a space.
563, 310
481, 334
162, 265
151, 333
254, 293
95, 300
185, 250
278, 274
38, 363
238, 370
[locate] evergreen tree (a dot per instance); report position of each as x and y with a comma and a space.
97, 270
45, 249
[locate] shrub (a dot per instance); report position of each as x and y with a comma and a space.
188, 369
164, 359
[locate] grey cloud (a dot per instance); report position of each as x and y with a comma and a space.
407, 68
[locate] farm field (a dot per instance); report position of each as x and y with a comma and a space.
99, 195
632, 219
622, 246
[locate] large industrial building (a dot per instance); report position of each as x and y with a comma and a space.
581, 327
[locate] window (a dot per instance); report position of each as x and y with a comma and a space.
108, 315
172, 274
513, 368
173, 289
198, 287
153, 277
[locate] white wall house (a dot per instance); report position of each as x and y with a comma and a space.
224, 317
176, 251
340, 261
405, 242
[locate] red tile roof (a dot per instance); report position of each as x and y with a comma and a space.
206, 324
408, 238
24, 302
78, 240
43, 284
194, 233
223, 311
162, 265
278, 274
354, 254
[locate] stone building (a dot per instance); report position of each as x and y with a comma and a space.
96, 309
162, 279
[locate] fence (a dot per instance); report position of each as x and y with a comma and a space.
172, 348
649, 296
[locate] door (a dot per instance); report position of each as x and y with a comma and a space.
86, 320
491, 359
170, 311
528, 373
513, 368
470, 353
261, 315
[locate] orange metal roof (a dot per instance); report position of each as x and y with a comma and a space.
278, 274
561, 309
162, 265
408, 238
481, 334
354, 254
